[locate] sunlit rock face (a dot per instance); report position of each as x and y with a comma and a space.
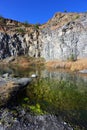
68, 41
63, 37
16, 44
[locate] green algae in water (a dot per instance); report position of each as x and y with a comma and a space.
57, 97
65, 97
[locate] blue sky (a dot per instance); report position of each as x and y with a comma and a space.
39, 11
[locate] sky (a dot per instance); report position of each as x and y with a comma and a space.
39, 11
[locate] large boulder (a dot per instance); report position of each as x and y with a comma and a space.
9, 87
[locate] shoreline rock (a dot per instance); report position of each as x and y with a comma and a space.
84, 71
26, 121
10, 86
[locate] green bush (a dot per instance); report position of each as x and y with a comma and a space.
2, 20
72, 57
36, 26
20, 30
26, 24
65, 11
36, 109
77, 17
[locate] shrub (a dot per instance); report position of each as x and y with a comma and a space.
72, 57
20, 30
26, 24
36, 26
77, 17
65, 11
2, 20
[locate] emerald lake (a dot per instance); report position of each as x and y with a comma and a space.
58, 92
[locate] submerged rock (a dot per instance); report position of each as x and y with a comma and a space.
2, 82
83, 71
6, 75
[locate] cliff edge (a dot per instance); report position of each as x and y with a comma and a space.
64, 37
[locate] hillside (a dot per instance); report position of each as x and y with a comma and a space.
64, 37
58, 20
11, 26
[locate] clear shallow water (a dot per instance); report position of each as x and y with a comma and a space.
57, 92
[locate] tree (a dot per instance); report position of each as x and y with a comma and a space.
26, 23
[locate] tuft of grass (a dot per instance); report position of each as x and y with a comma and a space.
26, 24
20, 30
77, 17
2, 20
36, 26
36, 109
71, 58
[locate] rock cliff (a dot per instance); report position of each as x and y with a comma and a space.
63, 37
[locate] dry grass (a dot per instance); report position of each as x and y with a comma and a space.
73, 66
7, 87
60, 19
26, 62
5, 92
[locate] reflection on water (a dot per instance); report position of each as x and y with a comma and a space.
62, 75
60, 98
57, 92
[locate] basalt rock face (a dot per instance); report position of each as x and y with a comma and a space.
63, 37
18, 44
66, 42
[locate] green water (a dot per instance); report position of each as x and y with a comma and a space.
57, 97
58, 92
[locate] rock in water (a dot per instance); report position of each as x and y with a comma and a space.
23, 81
83, 71
10, 87
6, 75
34, 76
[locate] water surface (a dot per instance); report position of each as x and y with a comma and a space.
57, 92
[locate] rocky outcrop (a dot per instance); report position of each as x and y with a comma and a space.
23, 120
61, 38
83, 71
16, 45
66, 42
9, 87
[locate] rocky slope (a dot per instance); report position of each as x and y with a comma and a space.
64, 37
